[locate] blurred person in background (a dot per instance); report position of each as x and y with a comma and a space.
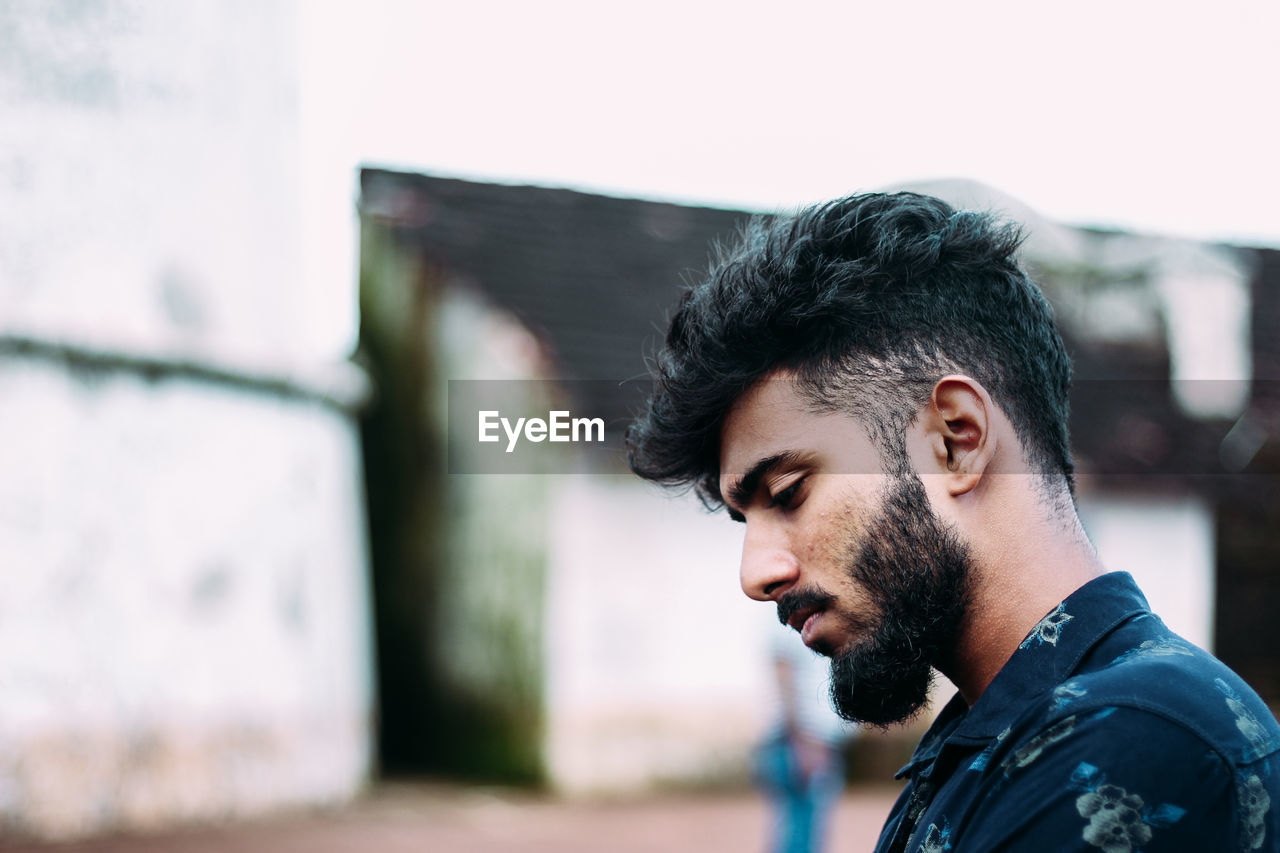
878, 391
800, 763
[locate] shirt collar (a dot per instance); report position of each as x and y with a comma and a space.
1047, 656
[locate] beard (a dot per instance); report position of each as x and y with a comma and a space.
916, 572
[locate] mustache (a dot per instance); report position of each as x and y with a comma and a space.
809, 598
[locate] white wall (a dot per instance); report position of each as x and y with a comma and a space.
149, 161
1167, 543
656, 661
184, 630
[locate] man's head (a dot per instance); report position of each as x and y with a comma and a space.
857, 563
813, 349
867, 301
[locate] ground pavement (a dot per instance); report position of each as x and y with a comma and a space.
399, 818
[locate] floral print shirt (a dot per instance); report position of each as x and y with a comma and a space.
1104, 731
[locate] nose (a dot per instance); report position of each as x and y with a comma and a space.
768, 568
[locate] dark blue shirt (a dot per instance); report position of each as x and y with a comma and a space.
1104, 731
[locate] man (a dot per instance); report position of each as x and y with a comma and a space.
879, 392
800, 764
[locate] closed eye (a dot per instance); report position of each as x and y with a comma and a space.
785, 497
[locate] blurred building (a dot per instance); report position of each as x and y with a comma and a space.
615, 637
184, 623
621, 653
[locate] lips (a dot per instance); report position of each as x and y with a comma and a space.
802, 610
809, 629
804, 621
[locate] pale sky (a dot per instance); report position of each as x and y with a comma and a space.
1158, 117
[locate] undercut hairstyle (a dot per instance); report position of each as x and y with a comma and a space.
868, 301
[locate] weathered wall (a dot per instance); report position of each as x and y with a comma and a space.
148, 162
184, 630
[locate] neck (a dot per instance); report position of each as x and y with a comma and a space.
1034, 558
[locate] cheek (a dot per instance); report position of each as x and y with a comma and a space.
834, 525
817, 555
838, 545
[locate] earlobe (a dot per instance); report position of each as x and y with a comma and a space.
963, 419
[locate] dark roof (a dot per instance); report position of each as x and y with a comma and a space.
595, 277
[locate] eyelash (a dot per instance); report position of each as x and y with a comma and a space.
784, 498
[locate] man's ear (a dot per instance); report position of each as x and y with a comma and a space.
959, 421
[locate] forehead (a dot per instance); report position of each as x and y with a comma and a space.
773, 417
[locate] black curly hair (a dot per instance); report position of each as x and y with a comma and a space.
868, 301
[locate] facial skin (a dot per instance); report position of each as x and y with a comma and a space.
855, 558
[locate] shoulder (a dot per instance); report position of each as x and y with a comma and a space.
1153, 672
1095, 771
1151, 744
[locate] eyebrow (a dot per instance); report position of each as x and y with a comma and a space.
741, 490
